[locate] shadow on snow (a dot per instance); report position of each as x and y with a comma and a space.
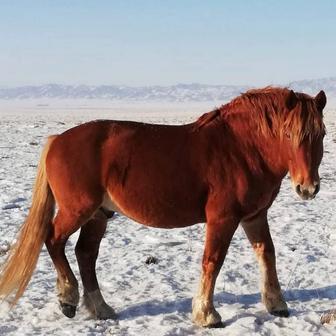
156, 307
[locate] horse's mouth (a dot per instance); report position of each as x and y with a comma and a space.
306, 197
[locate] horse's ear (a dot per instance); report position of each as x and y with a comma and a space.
292, 100
321, 100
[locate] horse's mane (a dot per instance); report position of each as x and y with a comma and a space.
208, 117
267, 108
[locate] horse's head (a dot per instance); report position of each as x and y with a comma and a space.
303, 139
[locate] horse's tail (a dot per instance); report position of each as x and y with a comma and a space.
18, 269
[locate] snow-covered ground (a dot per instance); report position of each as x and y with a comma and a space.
155, 299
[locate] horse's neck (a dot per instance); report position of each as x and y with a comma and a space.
257, 150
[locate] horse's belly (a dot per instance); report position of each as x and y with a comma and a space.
152, 214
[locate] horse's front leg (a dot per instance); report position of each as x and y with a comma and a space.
258, 233
219, 233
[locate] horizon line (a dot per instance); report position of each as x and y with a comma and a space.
4, 86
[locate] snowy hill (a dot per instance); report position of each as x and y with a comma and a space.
174, 93
179, 92
315, 85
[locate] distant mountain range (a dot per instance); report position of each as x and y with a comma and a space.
179, 92
313, 86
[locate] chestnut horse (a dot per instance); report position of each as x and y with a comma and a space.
224, 169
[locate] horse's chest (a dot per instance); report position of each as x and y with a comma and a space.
256, 201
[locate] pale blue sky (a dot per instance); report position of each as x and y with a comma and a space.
166, 42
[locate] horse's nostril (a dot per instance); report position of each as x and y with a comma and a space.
298, 189
317, 189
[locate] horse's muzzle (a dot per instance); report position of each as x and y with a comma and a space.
307, 192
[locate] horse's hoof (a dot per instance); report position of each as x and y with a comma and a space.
217, 325
204, 314
280, 313
106, 312
207, 319
68, 310
328, 317
102, 311
275, 305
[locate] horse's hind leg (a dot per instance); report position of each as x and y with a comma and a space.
258, 233
87, 252
64, 225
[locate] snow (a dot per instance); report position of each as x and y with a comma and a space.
155, 298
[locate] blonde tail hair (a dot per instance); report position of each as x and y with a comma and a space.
19, 267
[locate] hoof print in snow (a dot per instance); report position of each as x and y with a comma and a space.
4, 248
2, 253
151, 260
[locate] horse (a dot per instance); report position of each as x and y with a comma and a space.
224, 169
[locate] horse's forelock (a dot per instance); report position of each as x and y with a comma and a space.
304, 122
